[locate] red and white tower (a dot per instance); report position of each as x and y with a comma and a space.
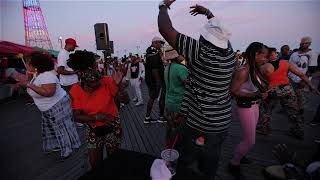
36, 33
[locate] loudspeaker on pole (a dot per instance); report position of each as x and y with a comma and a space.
102, 36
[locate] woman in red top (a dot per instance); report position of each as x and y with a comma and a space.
93, 104
276, 72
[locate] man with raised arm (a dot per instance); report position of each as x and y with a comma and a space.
206, 104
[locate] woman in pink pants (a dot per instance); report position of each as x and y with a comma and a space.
248, 86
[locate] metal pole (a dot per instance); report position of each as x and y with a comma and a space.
60, 40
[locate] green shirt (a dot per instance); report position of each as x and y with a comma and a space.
175, 89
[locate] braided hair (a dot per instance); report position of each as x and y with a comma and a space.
254, 71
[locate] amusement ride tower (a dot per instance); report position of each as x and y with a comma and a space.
36, 33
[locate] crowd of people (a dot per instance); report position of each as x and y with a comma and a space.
195, 82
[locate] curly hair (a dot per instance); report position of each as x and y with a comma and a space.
42, 61
81, 60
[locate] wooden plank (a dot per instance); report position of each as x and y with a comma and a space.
21, 134
139, 120
152, 130
134, 136
141, 145
146, 135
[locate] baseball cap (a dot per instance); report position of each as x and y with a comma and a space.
72, 42
306, 39
158, 39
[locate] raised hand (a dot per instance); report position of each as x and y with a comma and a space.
117, 74
197, 9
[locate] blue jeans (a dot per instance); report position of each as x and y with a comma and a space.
207, 155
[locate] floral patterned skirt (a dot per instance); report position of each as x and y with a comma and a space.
112, 141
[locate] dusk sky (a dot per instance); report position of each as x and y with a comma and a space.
134, 23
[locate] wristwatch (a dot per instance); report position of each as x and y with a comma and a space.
162, 3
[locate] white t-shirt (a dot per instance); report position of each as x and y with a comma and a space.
302, 61
45, 103
66, 80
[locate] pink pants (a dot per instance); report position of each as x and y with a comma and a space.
248, 120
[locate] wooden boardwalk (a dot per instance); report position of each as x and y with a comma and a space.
21, 156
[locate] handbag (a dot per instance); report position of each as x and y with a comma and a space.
245, 102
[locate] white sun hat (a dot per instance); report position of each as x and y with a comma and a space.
214, 32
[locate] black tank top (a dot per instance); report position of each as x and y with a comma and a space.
134, 70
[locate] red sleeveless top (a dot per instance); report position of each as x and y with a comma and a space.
279, 76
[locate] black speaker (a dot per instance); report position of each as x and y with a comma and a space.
111, 47
102, 36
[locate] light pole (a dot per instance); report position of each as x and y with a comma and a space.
60, 40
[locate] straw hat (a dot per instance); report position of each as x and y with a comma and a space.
170, 53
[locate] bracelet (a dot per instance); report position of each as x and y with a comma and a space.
162, 3
208, 12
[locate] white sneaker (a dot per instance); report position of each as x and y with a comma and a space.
79, 125
121, 105
135, 99
139, 103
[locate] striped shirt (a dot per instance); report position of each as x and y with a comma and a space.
207, 100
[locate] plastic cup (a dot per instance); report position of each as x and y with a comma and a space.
170, 156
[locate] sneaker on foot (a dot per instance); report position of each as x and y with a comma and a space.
148, 120
79, 125
135, 99
162, 119
314, 122
139, 103
121, 105
56, 149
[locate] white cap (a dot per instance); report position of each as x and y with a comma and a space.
157, 39
306, 39
215, 33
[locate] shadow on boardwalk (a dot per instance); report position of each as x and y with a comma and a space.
21, 156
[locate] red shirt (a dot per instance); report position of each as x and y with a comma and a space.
279, 76
100, 101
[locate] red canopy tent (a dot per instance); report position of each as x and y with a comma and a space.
9, 48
